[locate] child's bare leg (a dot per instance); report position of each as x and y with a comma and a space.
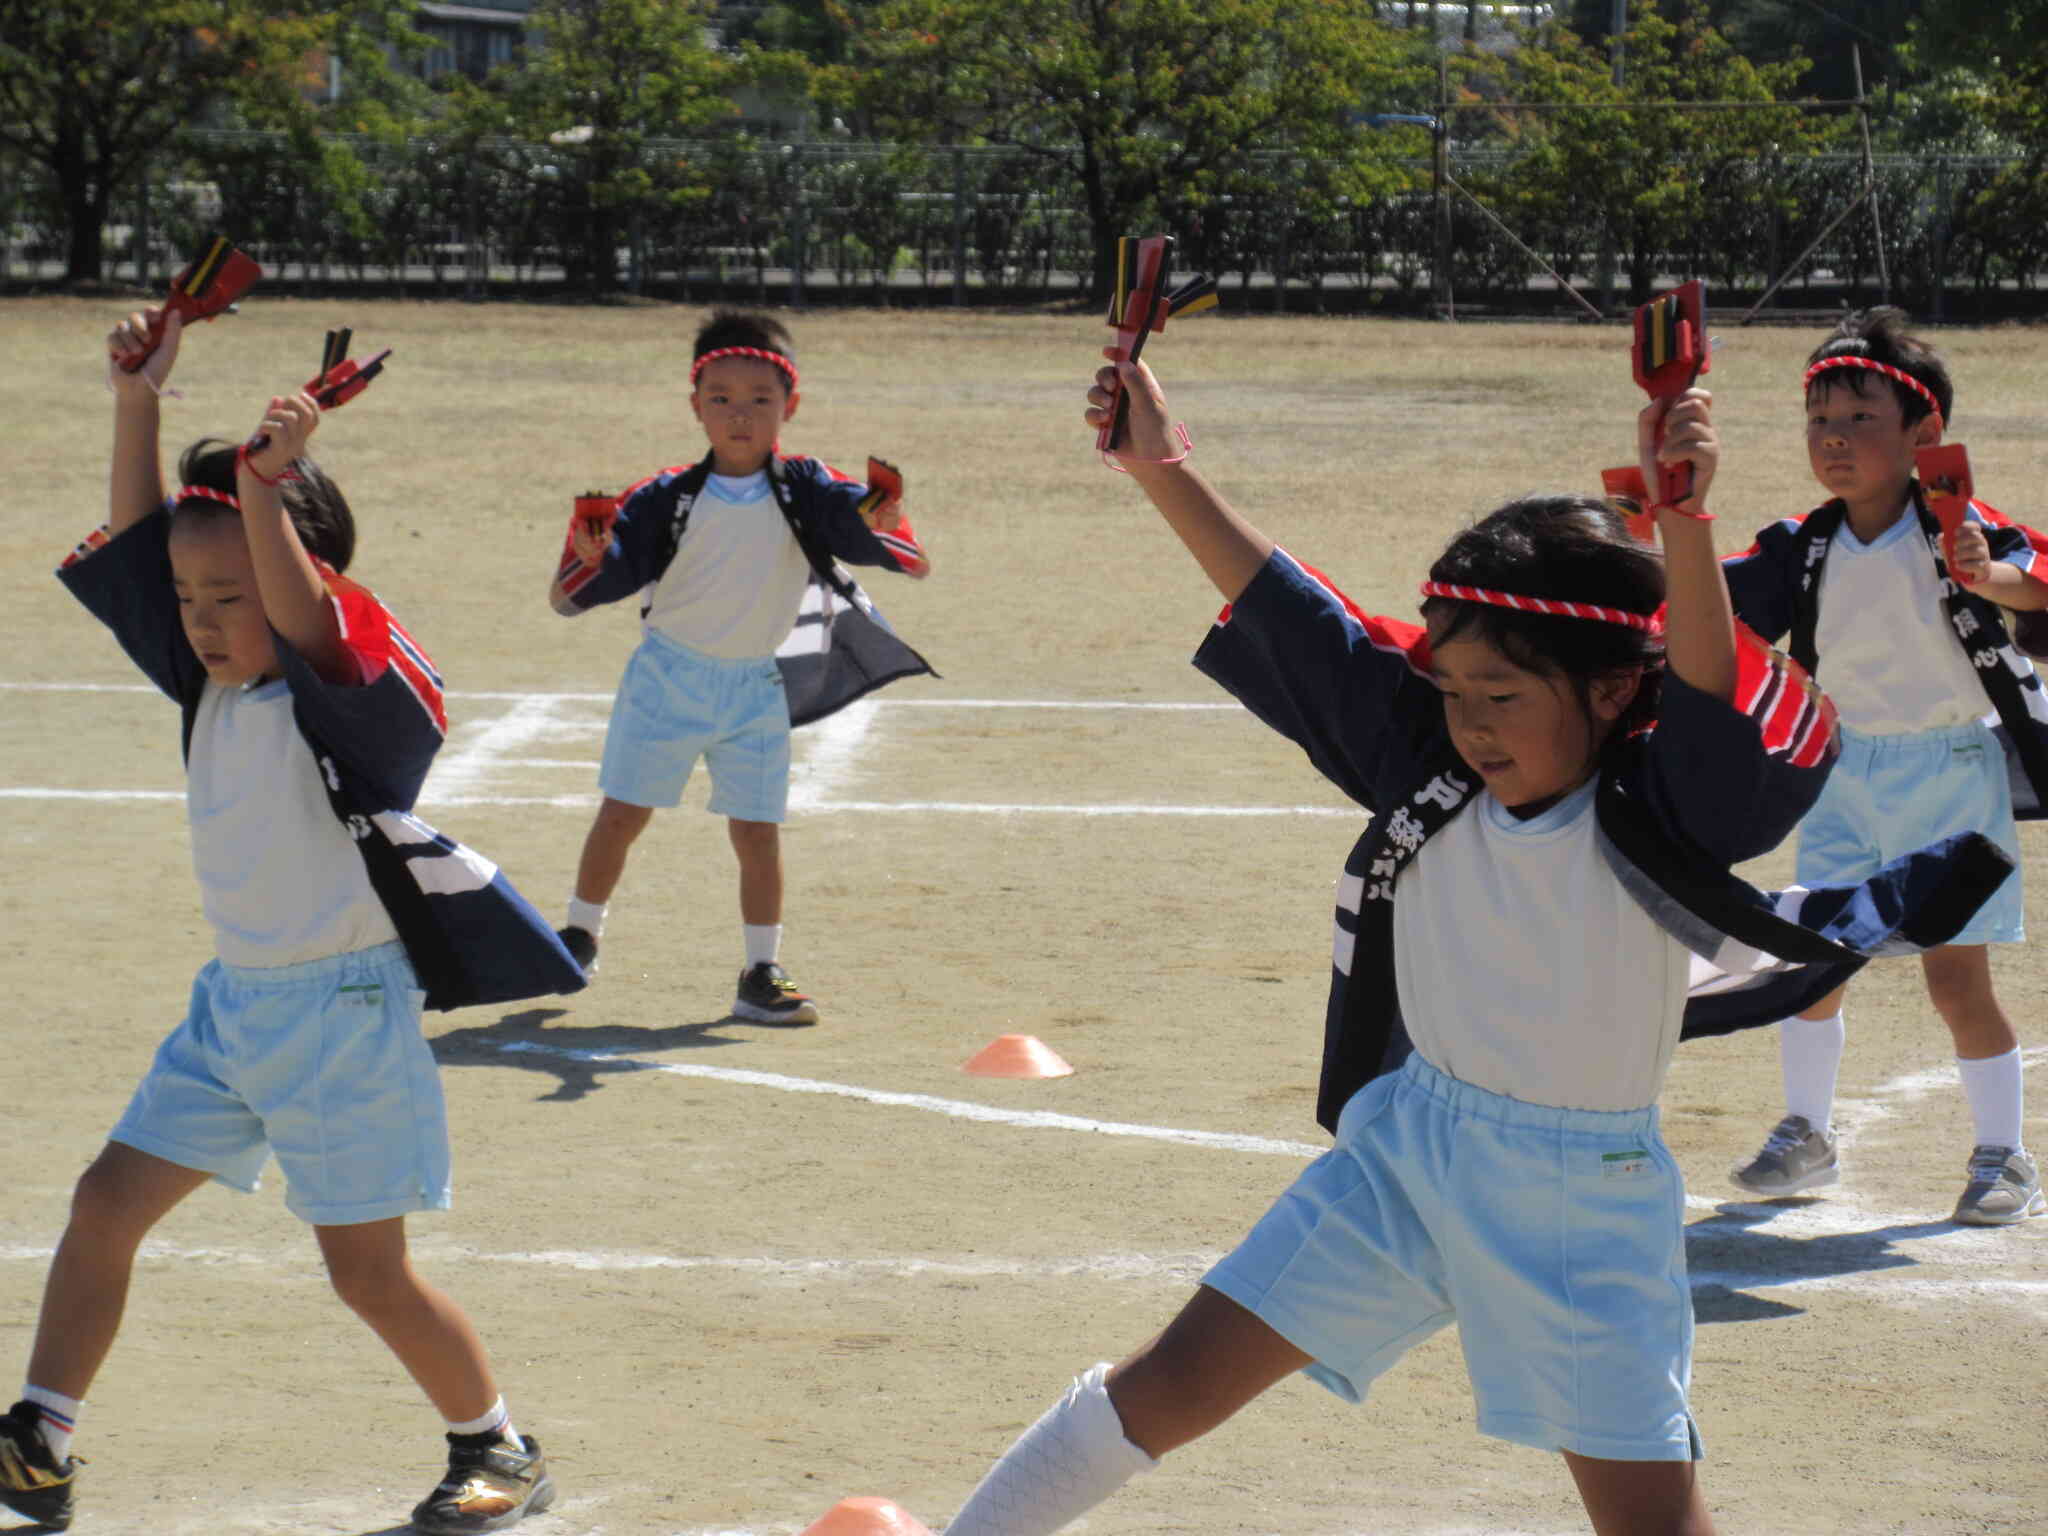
1959, 986
1641, 1498
117, 1201
758, 847
1211, 1360
429, 1333
605, 847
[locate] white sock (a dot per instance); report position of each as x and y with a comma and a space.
59, 1417
764, 942
1993, 1085
1810, 1056
1060, 1468
495, 1420
587, 915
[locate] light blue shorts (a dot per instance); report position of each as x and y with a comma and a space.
323, 1064
1889, 795
676, 705
1553, 1238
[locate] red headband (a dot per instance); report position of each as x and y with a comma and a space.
1898, 375
1649, 623
204, 493
758, 353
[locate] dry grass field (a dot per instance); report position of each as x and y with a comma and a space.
732, 1274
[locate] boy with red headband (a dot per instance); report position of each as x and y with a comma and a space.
751, 626
1915, 656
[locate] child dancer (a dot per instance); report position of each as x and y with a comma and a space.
1915, 661
751, 626
310, 720
1560, 778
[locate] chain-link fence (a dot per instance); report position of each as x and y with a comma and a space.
831, 222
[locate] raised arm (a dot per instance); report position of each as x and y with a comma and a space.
295, 597
1229, 550
136, 483
1699, 621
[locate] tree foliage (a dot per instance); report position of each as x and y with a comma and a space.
90, 89
1144, 103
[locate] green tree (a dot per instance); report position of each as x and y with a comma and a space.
2005, 47
1141, 103
91, 89
607, 77
1656, 179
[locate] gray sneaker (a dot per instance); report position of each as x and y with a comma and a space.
1795, 1156
2004, 1187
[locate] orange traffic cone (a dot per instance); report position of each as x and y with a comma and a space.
866, 1516
1018, 1056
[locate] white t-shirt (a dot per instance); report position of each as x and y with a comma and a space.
733, 588
279, 877
1524, 967
1887, 655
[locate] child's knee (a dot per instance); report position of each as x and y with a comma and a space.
621, 820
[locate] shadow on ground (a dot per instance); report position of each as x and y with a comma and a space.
1729, 1257
579, 1057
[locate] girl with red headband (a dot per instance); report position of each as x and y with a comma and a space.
751, 624
1915, 655
310, 720
1561, 764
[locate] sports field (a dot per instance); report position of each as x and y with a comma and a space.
731, 1274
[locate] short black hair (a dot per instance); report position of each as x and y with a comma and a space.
1880, 334
743, 328
1571, 548
318, 510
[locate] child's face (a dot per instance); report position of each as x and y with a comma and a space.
1525, 734
743, 403
1859, 444
218, 599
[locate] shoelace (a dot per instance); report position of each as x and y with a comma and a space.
1987, 1165
1782, 1140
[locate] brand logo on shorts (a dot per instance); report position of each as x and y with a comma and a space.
1624, 1165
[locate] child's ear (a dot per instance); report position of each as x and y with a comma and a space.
1927, 430
696, 406
1612, 694
789, 405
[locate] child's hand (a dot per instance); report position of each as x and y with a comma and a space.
886, 518
289, 422
130, 340
1688, 437
588, 541
1973, 555
1146, 433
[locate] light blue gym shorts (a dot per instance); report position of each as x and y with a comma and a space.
322, 1063
675, 705
1553, 1238
1889, 795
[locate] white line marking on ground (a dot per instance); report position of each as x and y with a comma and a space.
825, 753
504, 696
460, 769
958, 1109
435, 795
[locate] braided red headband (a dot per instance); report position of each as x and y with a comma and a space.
204, 493
1897, 375
1649, 623
758, 353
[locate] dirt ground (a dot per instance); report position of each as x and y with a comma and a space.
732, 1274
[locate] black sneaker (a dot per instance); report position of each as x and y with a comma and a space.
582, 946
31, 1482
768, 996
490, 1486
